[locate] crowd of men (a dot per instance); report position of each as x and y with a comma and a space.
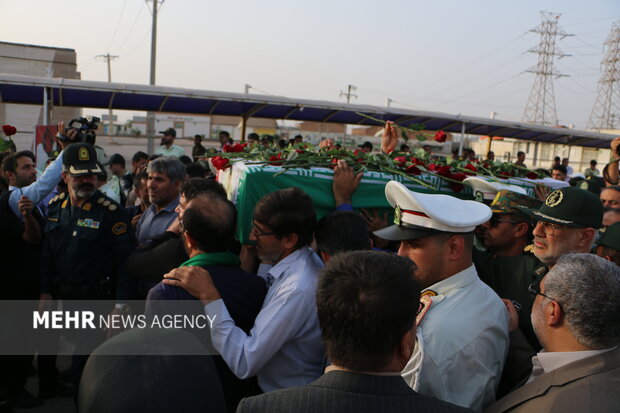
505, 303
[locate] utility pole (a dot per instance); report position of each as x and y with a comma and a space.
607, 105
108, 58
150, 116
540, 107
388, 102
247, 88
349, 94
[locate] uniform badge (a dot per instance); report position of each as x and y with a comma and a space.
106, 203
64, 204
479, 196
119, 228
398, 216
62, 196
529, 248
100, 200
87, 206
112, 207
430, 293
88, 223
554, 198
425, 303
83, 154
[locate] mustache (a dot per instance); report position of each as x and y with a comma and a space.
86, 186
540, 241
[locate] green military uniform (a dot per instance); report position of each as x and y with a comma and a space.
86, 247
510, 277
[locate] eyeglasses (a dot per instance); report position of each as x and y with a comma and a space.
420, 308
551, 229
534, 290
496, 220
255, 230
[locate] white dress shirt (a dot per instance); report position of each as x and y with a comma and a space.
284, 347
462, 343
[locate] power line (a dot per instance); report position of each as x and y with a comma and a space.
118, 23
132, 27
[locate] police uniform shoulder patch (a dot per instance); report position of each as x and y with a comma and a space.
119, 228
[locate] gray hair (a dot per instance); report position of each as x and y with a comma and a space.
587, 287
171, 166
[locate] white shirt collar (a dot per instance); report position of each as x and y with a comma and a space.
456, 281
550, 361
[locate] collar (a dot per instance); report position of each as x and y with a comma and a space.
351, 382
212, 258
168, 208
454, 282
550, 361
277, 270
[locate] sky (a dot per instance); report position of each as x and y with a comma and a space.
452, 56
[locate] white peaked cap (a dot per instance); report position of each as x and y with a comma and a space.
418, 215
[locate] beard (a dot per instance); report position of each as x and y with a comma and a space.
84, 191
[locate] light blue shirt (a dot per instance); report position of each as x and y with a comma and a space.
462, 343
284, 347
37, 190
153, 223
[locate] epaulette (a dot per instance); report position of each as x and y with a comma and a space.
108, 203
529, 248
57, 198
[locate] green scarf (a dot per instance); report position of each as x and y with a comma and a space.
212, 258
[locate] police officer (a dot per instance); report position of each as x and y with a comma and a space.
88, 236
87, 241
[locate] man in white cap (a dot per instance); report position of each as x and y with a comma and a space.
463, 327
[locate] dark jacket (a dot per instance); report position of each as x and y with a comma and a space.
340, 391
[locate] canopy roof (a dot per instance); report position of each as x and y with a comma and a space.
107, 95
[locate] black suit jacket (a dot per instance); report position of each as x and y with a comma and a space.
340, 391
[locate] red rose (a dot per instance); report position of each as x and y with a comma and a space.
440, 136
445, 171
358, 152
237, 147
506, 174
412, 169
532, 175
401, 160
220, 163
459, 176
273, 159
432, 167
227, 148
471, 168
9, 130
299, 151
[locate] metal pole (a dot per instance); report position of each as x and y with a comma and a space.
46, 113
462, 138
150, 116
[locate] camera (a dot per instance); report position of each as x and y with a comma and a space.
85, 130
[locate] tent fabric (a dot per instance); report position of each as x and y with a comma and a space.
22, 89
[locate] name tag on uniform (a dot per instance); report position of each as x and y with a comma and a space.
88, 223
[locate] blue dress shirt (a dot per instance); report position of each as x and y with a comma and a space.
153, 223
37, 190
284, 347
